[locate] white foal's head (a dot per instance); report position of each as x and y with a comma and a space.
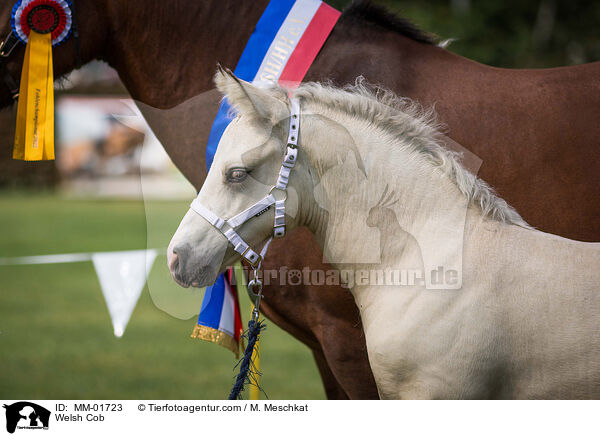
245, 168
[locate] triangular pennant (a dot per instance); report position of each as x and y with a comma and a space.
122, 276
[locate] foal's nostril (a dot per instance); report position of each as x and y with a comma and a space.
173, 262
177, 257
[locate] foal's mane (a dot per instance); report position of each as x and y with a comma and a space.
366, 12
406, 119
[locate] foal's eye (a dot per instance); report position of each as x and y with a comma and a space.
237, 175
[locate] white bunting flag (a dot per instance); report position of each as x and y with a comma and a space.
122, 276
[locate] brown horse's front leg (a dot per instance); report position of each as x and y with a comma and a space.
333, 389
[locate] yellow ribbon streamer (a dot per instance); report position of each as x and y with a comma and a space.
34, 137
254, 390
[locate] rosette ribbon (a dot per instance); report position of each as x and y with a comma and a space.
40, 24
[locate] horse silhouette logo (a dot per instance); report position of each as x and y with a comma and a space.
26, 415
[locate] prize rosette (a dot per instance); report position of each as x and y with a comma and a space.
40, 25
42, 16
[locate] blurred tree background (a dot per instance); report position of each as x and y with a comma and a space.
509, 33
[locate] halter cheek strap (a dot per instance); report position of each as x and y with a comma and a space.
227, 227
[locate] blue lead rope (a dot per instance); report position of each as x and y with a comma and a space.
248, 373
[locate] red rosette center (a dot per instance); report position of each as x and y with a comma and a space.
43, 19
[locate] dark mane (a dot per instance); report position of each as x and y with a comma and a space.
367, 12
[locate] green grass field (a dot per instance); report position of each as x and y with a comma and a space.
56, 339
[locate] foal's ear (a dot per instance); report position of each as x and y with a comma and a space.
267, 104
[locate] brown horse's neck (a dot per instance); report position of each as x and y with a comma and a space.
165, 57
167, 53
164, 52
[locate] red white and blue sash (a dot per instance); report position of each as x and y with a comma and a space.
220, 320
281, 49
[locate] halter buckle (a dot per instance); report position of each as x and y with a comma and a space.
252, 263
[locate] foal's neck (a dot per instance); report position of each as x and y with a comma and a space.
399, 210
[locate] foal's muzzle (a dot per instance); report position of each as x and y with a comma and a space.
186, 269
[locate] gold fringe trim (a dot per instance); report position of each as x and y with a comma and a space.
216, 336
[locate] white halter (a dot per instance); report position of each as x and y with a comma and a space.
261, 206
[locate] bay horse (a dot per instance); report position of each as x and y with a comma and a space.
535, 130
523, 323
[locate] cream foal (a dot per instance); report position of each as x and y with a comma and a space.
459, 297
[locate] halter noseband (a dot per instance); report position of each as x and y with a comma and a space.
262, 205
